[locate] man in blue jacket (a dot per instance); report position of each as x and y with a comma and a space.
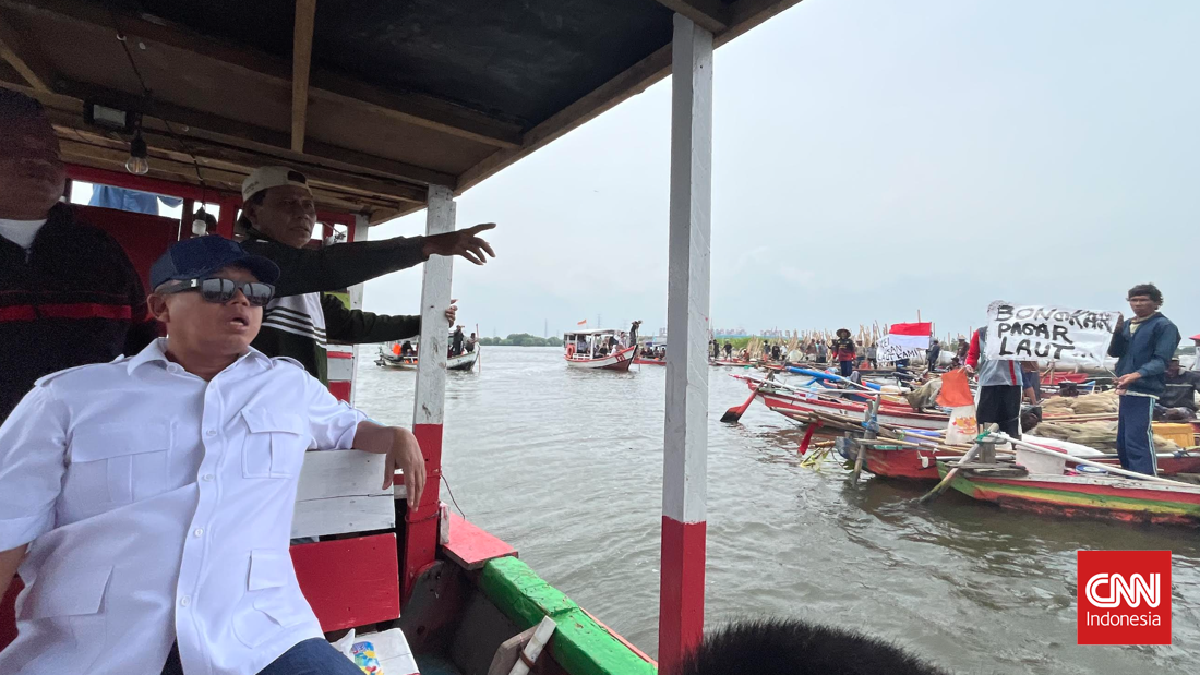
1143, 346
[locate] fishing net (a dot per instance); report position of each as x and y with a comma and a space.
1101, 435
1089, 404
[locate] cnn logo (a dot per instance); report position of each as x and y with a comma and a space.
1124, 597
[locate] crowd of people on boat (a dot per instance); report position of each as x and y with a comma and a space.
168, 499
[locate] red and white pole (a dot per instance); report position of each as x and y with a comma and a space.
420, 538
685, 437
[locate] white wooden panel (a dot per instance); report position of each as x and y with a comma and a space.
435, 298
685, 434
341, 491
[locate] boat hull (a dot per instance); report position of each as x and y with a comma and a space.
462, 362
649, 362
900, 463
619, 362
1086, 496
854, 413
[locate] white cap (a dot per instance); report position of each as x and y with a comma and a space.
266, 177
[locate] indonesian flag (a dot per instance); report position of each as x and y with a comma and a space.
910, 335
582, 323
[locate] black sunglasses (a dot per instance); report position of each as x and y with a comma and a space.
214, 289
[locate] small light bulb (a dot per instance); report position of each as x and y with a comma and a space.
137, 162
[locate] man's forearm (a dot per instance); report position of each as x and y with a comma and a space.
10, 562
340, 266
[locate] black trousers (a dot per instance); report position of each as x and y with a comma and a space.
1000, 404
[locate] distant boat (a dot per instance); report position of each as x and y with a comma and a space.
390, 358
588, 349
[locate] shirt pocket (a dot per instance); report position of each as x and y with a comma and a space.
116, 464
65, 607
275, 444
271, 600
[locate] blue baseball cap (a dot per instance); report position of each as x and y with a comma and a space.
201, 256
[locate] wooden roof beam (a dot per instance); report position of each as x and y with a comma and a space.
24, 58
302, 40
426, 111
711, 15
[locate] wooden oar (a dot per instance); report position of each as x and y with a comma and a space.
734, 414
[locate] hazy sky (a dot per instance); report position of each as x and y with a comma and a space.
871, 158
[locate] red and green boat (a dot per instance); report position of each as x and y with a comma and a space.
909, 463
1094, 496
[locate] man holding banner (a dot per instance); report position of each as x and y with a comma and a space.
999, 385
1143, 346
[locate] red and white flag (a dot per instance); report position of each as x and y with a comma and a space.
582, 323
910, 335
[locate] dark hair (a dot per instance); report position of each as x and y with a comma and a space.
1148, 290
243, 223
795, 647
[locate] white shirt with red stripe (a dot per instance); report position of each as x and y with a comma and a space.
158, 508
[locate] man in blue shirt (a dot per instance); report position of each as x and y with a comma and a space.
130, 200
1143, 346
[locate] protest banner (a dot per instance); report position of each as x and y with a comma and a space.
1048, 333
887, 350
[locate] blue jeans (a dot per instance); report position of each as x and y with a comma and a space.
1135, 440
847, 368
313, 656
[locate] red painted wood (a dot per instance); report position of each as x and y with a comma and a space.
681, 613
471, 546
420, 532
339, 355
143, 236
901, 463
350, 582
340, 390
8, 614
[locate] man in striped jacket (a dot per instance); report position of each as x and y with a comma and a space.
278, 217
68, 294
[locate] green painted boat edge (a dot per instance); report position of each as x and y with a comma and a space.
581, 645
1069, 498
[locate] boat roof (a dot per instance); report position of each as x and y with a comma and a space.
594, 331
374, 100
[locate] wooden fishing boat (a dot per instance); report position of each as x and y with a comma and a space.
460, 362
1096, 496
643, 361
801, 401
587, 349
730, 362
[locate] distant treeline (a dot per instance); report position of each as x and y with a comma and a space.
521, 340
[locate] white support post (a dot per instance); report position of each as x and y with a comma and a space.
421, 532
360, 231
685, 446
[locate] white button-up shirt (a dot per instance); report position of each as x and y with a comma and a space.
159, 508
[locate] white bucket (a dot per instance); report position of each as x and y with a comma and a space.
1037, 462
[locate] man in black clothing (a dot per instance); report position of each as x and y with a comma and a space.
68, 294
457, 342
1180, 395
278, 217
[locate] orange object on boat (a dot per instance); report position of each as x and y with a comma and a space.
956, 390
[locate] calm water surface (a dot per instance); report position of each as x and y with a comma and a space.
567, 467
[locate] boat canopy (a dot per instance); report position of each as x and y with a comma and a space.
373, 100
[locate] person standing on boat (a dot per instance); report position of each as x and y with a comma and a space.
68, 293
932, 355
1000, 387
457, 341
822, 352
278, 217
728, 349
147, 501
843, 349
1143, 346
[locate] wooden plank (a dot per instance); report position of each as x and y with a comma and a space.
685, 433
24, 58
342, 491
339, 515
349, 582
302, 39
420, 540
340, 473
711, 15
423, 110
471, 547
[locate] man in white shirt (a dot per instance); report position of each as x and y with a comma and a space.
148, 501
